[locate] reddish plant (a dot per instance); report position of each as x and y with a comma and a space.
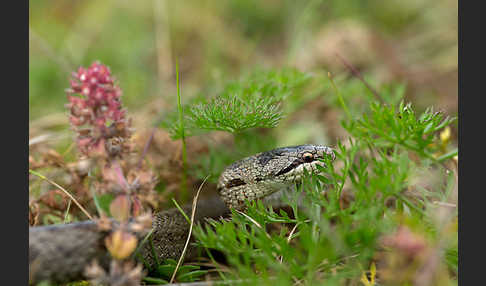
96, 112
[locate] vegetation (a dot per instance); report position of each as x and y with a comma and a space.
373, 200
207, 83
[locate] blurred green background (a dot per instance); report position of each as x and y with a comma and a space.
414, 42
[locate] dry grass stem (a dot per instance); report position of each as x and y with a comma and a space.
64, 190
194, 204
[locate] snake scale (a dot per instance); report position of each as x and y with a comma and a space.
60, 253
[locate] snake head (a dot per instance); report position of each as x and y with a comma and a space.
269, 172
290, 162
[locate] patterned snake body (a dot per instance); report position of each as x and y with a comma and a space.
60, 253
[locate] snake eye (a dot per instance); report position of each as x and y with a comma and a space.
308, 157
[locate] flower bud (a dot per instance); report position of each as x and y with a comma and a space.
121, 244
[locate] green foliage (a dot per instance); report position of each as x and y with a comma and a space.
161, 274
325, 241
242, 108
180, 111
388, 126
252, 102
103, 202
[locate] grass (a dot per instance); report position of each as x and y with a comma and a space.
64, 191
193, 212
180, 111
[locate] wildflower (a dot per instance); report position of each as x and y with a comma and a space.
96, 112
406, 241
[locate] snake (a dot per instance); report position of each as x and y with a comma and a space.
60, 253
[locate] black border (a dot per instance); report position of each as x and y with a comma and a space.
15, 131
471, 112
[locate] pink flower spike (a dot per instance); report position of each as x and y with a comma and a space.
94, 100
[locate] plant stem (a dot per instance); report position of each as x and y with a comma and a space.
63, 190
183, 193
340, 98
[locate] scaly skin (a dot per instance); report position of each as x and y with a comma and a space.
265, 173
60, 253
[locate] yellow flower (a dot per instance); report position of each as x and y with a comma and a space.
445, 135
121, 244
364, 277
